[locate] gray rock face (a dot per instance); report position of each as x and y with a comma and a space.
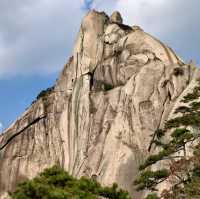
117, 89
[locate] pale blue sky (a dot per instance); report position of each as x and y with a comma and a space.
36, 39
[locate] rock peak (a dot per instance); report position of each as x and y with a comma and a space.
116, 17
120, 85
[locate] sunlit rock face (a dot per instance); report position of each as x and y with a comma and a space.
120, 85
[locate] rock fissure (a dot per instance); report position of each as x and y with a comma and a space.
21, 131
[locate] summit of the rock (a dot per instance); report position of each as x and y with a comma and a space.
120, 85
116, 17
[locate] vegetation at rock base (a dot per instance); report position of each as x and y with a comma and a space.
177, 158
55, 183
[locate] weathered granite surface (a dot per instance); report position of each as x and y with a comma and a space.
120, 85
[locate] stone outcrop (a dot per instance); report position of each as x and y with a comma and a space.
120, 85
116, 18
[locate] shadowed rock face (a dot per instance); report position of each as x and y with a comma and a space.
120, 86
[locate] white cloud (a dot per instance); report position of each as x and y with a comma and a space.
1, 127
36, 37
175, 22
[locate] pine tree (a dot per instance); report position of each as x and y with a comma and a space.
183, 168
55, 183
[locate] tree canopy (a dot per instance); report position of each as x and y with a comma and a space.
55, 183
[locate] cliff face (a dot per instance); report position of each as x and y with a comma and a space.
120, 85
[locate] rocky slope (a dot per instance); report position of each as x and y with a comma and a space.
120, 85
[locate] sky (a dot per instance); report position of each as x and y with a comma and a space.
37, 37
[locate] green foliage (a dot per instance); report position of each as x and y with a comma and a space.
182, 109
179, 137
189, 190
45, 93
149, 179
195, 106
196, 172
181, 166
192, 96
156, 138
108, 87
191, 112
191, 119
55, 183
152, 159
152, 196
179, 132
102, 85
159, 133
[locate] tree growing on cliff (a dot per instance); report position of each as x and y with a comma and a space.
179, 155
55, 183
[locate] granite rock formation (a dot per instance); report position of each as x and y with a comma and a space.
120, 85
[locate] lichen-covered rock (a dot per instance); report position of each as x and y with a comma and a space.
119, 86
